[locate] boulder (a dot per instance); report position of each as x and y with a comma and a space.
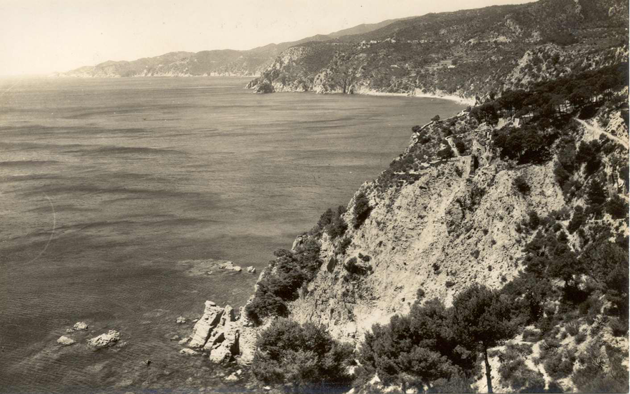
104, 340
211, 317
65, 341
230, 266
220, 355
175, 338
218, 335
181, 320
184, 341
188, 352
232, 378
251, 269
80, 326
223, 344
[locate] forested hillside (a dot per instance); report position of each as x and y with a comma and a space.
465, 54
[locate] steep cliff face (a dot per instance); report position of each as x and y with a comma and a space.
466, 54
452, 225
465, 204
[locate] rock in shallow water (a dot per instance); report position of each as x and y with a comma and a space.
80, 326
203, 328
181, 320
188, 352
65, 341
104, 340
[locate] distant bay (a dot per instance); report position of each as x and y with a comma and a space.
110, 187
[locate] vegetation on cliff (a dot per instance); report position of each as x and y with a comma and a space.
466, 53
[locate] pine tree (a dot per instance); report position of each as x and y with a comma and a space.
481, 320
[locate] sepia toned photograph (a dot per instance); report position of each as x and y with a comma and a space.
314, 196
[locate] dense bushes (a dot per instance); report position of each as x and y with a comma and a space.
521, 185
527, 144
593, 377
433, 343
332, 222
362, 209
304, 356
545, 98
287, 274
415, 350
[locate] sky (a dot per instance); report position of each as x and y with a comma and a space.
44, 36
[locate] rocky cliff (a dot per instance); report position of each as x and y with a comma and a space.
464, 54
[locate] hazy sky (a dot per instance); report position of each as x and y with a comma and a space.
42, 36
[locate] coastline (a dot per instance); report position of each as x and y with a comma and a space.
419, 94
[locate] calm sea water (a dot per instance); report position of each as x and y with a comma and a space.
107, 186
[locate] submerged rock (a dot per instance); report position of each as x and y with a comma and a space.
104, 340
181, 320
65, 341
80, 326
230, 266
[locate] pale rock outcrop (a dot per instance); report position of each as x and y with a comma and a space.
224, 335
188, 352
104, 340
65, 341
80, 326
251, 270
455, 225
181, 320
211, 316
230, 267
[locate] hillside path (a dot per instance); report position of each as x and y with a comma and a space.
598, 130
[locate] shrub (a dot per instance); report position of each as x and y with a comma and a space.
343, 245
577, 220
596, 194
594, 377
332, 222
618, 326
521, 378
530, 335
446, 153
617, 207
355, 269
305, 356
460, 145
560, 365
573, 328
534, 220
521, 185
291, 270
362, 209
419, 347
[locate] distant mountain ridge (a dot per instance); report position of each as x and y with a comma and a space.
225, 62
463, 54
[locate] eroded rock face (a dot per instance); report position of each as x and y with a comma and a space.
211, 316
224, 336
104, 340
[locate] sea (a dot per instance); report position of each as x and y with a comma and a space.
116, 195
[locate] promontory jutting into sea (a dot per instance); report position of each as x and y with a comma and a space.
432, 198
